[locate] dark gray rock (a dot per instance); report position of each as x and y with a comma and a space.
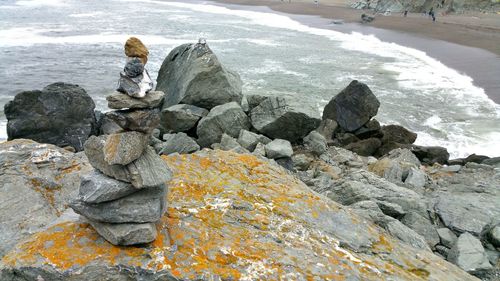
279, 148
275, 118
60, 114
96, 188
119, 100
181, 117
146, 205
123, 148
343, 139
249, 140
327, 128
391, 209
494, 236
369, 130
353, 107
398, 134
469, 254
177, 143
476, 158
140, 120
390, 146
443, 251
147, 170
134, 68
366, 147
431, 154
107, 126
192, 74
494, 161
126, 234
422, 226
285, 162
316, 143
227, 118
254, 100
447, 237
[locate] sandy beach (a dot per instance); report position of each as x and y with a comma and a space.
469, 42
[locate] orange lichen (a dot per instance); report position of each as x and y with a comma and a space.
47, 192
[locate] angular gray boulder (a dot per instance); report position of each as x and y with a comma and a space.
469, 254
123, 148
181, 117
192, 74
177, 143
422, 226
140, 120
353, 107
316, 143
119, 100
249, 140
228, 118
275, 118
61, 114
446, 237
278, 148
126, 234
97, 188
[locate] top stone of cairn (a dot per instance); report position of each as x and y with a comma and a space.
135, 48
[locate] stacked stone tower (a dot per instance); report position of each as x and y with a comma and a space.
125, 195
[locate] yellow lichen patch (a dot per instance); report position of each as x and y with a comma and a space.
68, 170
111, 146
47, 192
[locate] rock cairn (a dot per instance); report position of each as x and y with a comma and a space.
125, 195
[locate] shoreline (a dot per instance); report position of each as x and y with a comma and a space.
472, 50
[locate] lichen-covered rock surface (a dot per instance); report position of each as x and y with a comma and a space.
231, 217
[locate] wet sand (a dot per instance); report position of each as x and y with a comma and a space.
469, 43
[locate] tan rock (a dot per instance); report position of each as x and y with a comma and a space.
135, 48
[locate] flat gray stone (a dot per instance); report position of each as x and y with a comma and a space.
96, 188
126, 234
447, 237
123, 148
451, 168
146, 205
177, 143
147, 170
119, 100
279, 148
228, 118
140, 120
181, 117
316, 143
469, 254
249, 140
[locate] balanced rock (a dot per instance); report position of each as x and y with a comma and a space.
97, 188
135, 48
145, 205
147, 170
142, 120
228, 118
249, 140
399, 134
177, 143
126, 234
60, 114
279, 148
353, 107
119, 100
275, 118
123, 148
181, 117
192, 74
469, 254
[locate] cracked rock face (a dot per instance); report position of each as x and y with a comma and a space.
234, 217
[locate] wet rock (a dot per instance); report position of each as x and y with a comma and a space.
119, 100
126, 234
398, 134
97, 188
135, 48
123, 148
316, 143
353, 107
192, 74
422, 226
146, 205
431, 154
469, 254
61, 114
366, 147
177, 143
147, 170
275, 118
475, 158
142, 120
249, 140
227, 118
447, 237
181, 117
279, 148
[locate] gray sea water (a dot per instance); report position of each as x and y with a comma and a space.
81, 42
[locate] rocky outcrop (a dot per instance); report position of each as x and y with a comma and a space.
353, 107
60, 114
276, 118
192, 74
287, 230
37, 182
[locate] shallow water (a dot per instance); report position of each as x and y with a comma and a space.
81, 42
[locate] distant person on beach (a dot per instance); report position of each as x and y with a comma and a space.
316, 2
406, 13
431, 11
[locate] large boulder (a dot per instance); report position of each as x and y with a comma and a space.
36, 183
431, 154
277, 119
181, 117
60, 114
228, 118
366, 147
232, 217
469, 254
249, 140
353, 107
192, 74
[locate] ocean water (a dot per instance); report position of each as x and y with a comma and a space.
81, 42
